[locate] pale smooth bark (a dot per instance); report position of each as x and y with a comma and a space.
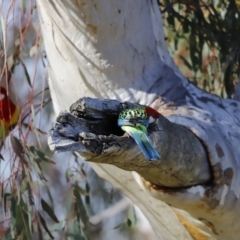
115, 49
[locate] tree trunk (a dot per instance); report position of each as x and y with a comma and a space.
116, 49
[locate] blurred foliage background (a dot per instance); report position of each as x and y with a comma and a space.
44, 196
203, 37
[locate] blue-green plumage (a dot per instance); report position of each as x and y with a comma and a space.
135, 122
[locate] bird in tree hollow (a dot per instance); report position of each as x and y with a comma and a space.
9, 113
135, 122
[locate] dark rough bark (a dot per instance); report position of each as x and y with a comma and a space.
91, 129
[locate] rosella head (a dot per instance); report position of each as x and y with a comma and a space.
139, 115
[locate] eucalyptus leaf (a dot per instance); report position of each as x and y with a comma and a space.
17, 146
49, 210
43, 223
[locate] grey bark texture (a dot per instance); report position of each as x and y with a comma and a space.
91, 129
116, 50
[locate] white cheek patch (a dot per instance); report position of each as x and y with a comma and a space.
151, 119
2, 96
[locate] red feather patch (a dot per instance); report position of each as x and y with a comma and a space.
7, 107
152, 112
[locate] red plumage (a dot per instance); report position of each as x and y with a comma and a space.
152, 112
7, 107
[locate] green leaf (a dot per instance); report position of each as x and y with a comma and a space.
77, 178
6, 195
33, 114
39, 155
49, 194
17, 146
228, 83
26, 72
129, 222
185, 27
1, 157
42, 221
57, 227
79, 206
131, 217
44, 158
23, 223
87, 187
40, 235
186, 62
24, 185
18, 194
193, 51
24, 6
68, 174
119, 225
75, 231
29, 212
49, 210
13, 207
69, 203
38, 130
81, 190
39, 171
87, 199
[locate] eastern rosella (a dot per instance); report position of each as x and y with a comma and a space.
9, 113
135, 121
